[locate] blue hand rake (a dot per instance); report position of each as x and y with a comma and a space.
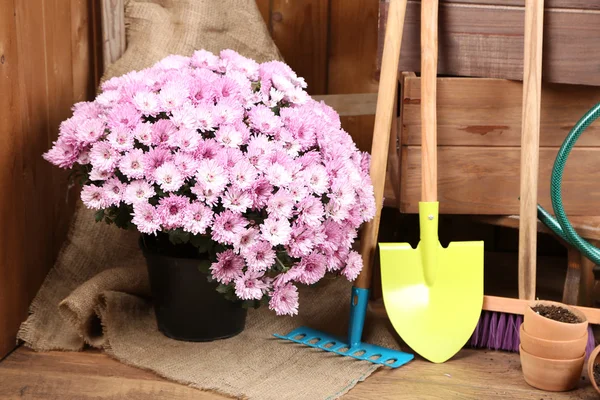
352, 346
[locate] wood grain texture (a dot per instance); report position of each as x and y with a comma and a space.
573, 278
12, 230
81, 54
38, 88
587, 226
352, 64
487, 112
355, 104
471, 374
530, 145
485, 180
487, 41
576, 4
429, 57
113, 30
384, 118
299, 28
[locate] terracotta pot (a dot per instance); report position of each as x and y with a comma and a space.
546, 328
551, 375
590, 367
553, 349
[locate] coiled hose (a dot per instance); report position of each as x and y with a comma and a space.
561, 225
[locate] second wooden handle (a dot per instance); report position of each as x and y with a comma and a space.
530, 140
429, 57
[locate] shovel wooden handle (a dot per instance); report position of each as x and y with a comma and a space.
388, 84
530, 140
429, 60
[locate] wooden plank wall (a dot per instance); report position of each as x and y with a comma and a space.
484, 38
333, 45
45, 67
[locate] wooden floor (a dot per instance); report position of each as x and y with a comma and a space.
472, 374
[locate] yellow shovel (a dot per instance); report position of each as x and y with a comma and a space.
433, 295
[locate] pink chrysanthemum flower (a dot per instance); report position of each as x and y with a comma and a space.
162, 131
276, 231
228, 267
93, 197
168, 177
153, 159
310, 211
263, 120
172, 95
171, 211
97, 175
280, 205
132, 164
146, 218
243, 174
284, 300
90, 131
146, 103
61, 154
121, 139
278, 175
204, 59
302, 240
312, 267
211, 175
186, 163
228, 226
123, 115
227, 111
260, 256
354, 265
103, 156
137, 192
204, 117
246, 240
250, 286
113, 191
185, 139
237, 200
143, 134
315, 177
197, 218
260, 191
229, 136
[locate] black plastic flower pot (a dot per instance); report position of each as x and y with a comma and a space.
186, 304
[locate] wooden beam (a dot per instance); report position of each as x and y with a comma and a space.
113, 31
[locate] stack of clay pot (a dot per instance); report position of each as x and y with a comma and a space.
552, 353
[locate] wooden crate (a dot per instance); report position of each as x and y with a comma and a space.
484, 38
479, 129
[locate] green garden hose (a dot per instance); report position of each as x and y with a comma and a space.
561, 225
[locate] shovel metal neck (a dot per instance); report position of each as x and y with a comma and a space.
428, 222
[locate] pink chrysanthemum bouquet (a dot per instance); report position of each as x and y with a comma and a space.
231, 156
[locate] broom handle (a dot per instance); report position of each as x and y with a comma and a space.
530, 139
381, 134
429, 57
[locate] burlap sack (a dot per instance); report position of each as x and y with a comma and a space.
97, 293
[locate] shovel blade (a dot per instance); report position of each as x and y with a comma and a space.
434, 316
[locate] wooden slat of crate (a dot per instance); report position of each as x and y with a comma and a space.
485, 40
485, 180
487, 112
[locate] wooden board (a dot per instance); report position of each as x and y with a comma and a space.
299, 28
487, 112
38, 87
470, 375
484, 40
485, 180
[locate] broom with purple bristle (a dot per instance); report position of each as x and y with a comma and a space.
499, 324
500, 331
